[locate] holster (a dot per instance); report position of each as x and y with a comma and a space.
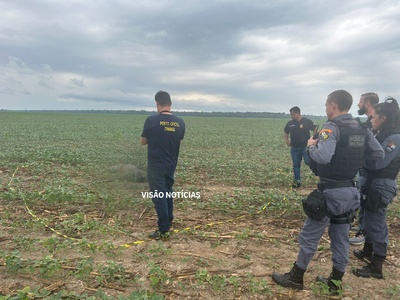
315, 205
371, 200
315, 208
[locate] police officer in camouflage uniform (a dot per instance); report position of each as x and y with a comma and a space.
378, 188
335, 156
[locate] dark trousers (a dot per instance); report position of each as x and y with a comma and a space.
161, 183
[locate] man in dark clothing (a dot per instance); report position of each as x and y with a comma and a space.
162, 133
299, 131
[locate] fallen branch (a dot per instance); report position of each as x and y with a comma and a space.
141, 215
194, 255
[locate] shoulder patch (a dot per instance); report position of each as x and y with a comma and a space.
324, 133
391, 146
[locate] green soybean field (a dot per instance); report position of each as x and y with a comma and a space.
74, 222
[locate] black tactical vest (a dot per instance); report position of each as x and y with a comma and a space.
349, 152
390, 171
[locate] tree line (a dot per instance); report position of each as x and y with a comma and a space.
278, 115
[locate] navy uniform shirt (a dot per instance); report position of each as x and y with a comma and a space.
164, 133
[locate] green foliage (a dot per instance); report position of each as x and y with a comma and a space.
202, 276
48, 266
241, 167
29, 293
158, 249
321, 289
142, 295
83, 268
24, 242
51, 243
111, 272
157, 276
235, 151
258, 285
218, 282
393, 291
13, 262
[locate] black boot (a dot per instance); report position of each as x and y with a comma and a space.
365, 253
293, 279
334, 281
373, 269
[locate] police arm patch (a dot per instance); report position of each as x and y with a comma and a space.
324, 133
391, 146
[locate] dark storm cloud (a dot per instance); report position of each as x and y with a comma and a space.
212, 55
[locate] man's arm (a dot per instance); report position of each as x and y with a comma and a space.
286, 138
143, 140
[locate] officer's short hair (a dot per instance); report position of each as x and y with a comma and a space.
372, 98
342, 98
295, 109
163, 98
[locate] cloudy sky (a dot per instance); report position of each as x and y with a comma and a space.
211, 55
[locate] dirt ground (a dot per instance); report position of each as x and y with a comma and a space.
247, 247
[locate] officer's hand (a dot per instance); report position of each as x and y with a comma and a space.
312, 142
289, 144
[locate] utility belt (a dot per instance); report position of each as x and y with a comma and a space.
315, 204
324, 185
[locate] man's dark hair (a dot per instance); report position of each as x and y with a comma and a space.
163, 98
372, 98
295, 109
342, 98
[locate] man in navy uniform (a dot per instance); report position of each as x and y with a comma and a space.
162, 133
335, 157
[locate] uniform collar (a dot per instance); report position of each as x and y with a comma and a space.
342, 117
